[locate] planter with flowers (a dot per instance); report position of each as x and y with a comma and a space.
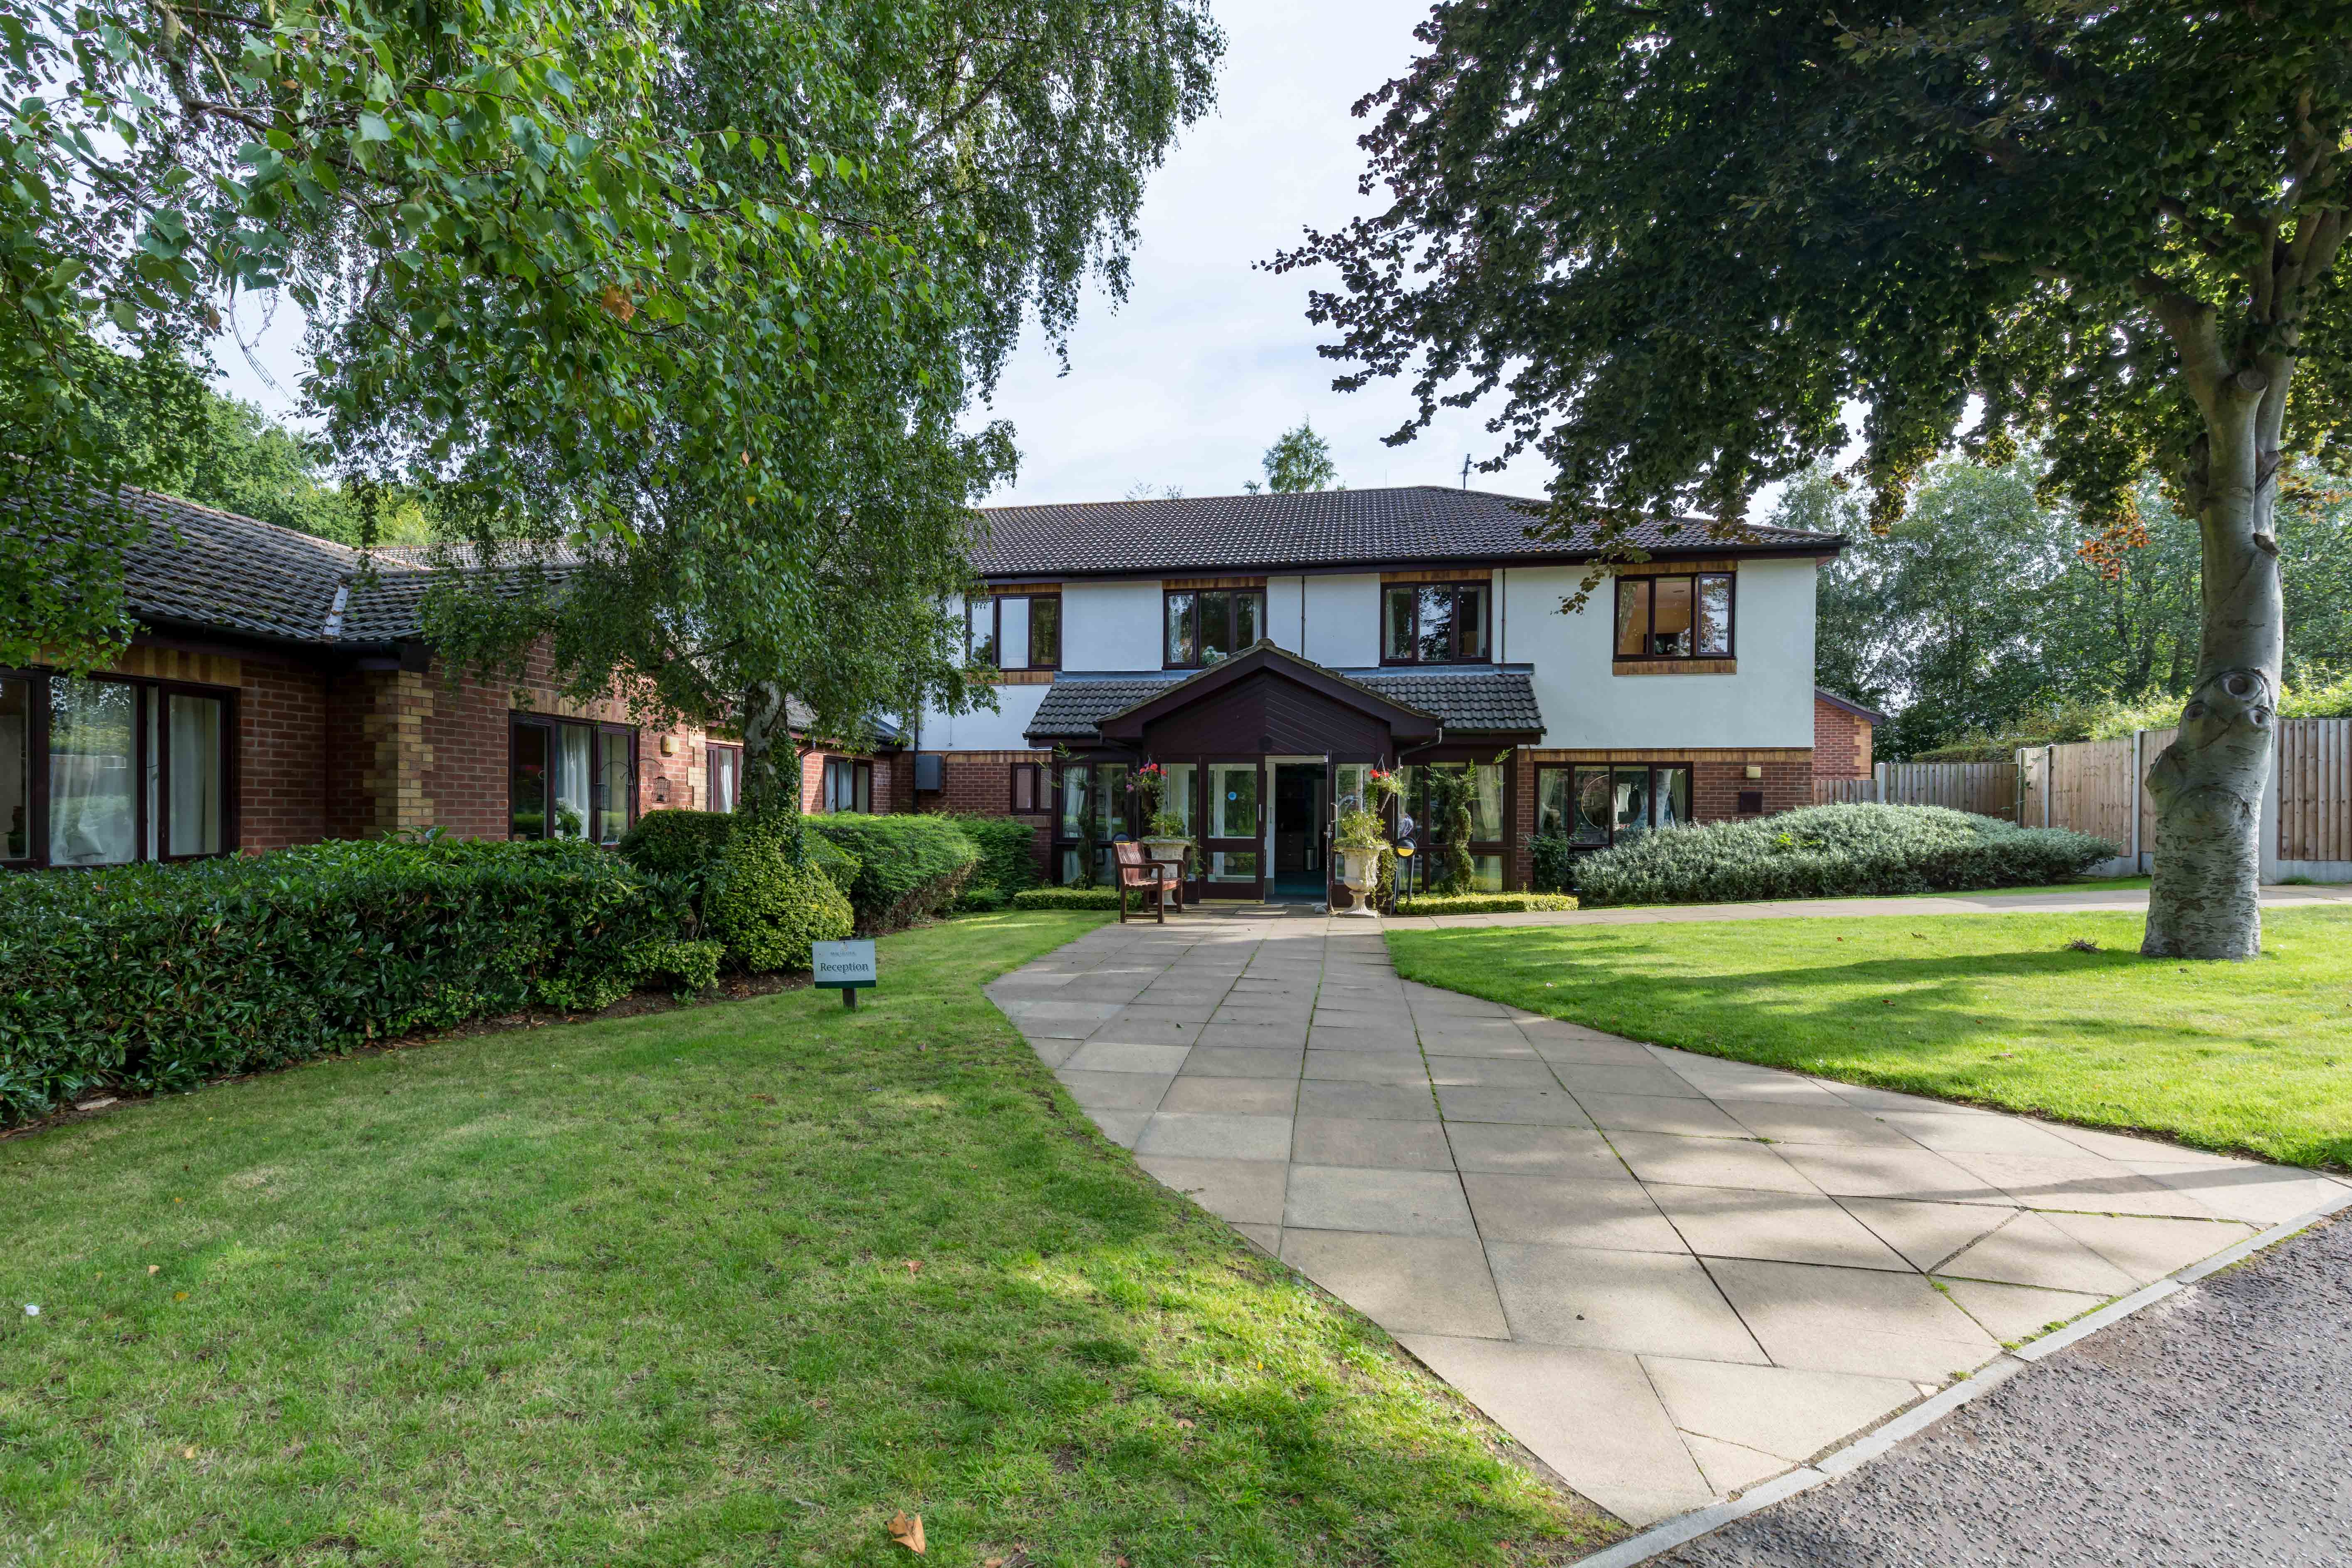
1362, 841
1163, 831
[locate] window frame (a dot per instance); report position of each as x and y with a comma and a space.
1201, 660
1483, 586
711, 752
150, 807
1415, 799
1608, 829
600, 732
996, 630
859, 770
1650, 631
1041, 800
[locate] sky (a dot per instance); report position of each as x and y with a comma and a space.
1209, 359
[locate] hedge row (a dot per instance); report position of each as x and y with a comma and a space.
894, 869
1484, 903
1008, 852
910, 867
1068, 898
157, 977
1834, 851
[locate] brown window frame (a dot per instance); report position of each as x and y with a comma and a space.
1650, 630
712, 750
1484, 587
1414, 803
1608, 829
1168, 660
1041, 800
996, 631
860, 774
602, 733
151, 797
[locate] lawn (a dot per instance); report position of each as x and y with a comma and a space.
730, 1284
1996, 1009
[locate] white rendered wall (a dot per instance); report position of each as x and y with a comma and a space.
1769, 702
1110, 625
1343, 621
1285, 601
1001, 730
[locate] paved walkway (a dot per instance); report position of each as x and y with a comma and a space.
2123, 900
1670, 1275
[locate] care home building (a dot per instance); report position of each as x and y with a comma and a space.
1264, 651
1267, 651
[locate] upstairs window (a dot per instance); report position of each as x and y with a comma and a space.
1675, 617
1434, 623
1014, 631
1209, 626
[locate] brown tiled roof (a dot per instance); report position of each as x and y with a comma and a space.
1318, 527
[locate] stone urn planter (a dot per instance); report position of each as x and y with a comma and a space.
1360, 870
1177, 849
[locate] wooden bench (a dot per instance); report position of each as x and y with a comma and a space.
1143, 876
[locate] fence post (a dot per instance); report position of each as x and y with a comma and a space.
2139, 750
1878, 779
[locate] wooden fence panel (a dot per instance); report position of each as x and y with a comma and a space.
2315, 764
2151, 746
2032, 786
1844, 792
1989, 789
2093, 790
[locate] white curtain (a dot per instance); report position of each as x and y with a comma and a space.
573, 744
93, 814
196, 807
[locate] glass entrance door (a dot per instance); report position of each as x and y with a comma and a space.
1299, 848
1232, 847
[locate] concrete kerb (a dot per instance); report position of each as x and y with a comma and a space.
1883, 1438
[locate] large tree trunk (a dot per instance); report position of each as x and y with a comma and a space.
2209, 784
771, 771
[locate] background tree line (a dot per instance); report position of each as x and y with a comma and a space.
1980, 624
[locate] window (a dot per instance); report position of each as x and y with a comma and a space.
1208, 626
1595, 807
1233, 813
1484, 801
1014, 631
1093, 802
102, 772
1434, 623
570, 778
723, 777
1176, 794
848, 785
1029, 787
1675, 617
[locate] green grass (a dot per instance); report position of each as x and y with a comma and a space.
1995, 1009
638, 1291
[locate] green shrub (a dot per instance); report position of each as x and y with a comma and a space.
1066, 899
910, 867
1484, 903
1834, 851
1008, 852
839, 865
689, 966
677, 843
1555, 862
158, 977
980, 900
768, 907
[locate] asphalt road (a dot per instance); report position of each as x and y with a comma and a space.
2213, 1428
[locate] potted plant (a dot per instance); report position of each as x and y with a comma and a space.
1163, 831
1360, 839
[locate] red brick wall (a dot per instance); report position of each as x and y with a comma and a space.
1716, 788
1522, 872
1840, 742
282, 726
979, 783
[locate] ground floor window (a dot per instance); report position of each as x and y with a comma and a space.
1090, 813
722, 771
1439, 796
848, 785
1028, 787
1596, 805
571, 778
105, 771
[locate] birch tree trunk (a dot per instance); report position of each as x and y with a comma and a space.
771, 761
2203, 901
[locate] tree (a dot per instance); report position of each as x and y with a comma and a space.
1682, 237
1299, 461
697, 295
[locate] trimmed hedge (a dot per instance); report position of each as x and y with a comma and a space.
1555, 862
677, 843
1484, 903
910, 866
1008, 852
158, 977
1834, 851
1066, 899
767, 905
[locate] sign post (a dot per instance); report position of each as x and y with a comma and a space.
844, 966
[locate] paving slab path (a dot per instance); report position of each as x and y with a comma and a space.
2123, 901
2214, 1428
1670, 1275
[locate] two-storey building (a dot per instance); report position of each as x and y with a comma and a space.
1266, 650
